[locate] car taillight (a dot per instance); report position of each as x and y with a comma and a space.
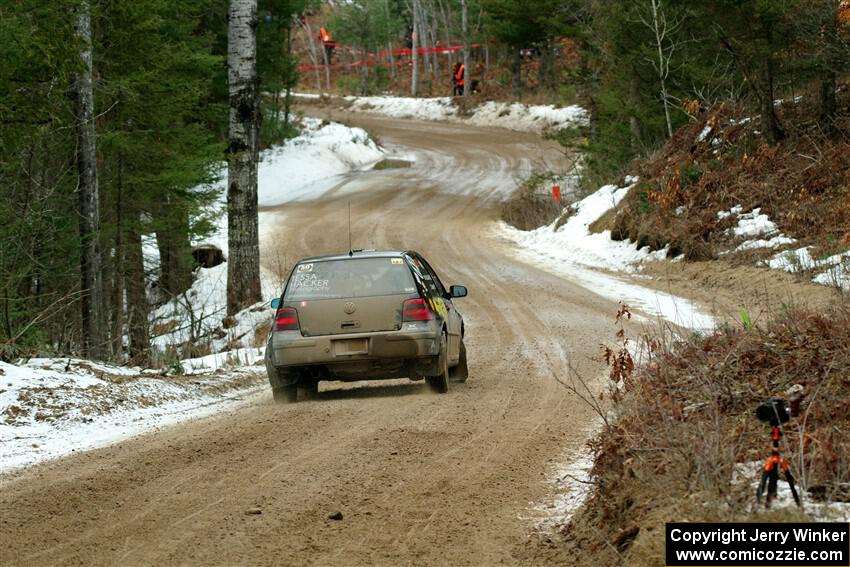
286, 319
416, 310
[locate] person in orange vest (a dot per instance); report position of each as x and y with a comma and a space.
328, 43
458, 71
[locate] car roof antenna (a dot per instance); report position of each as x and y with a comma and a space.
350, 249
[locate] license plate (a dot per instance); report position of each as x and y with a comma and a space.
351, 346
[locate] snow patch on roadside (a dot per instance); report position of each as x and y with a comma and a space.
753, 225
513, 116
573, 250
572, 485
53, 407
833, 270
760, 232
573, 242
439, 108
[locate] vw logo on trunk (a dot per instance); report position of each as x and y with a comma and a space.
350, 308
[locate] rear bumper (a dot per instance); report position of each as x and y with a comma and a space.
415, 344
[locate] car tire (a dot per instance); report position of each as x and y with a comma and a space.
285, 394
309, 389
440, 382
460, 372
284, 382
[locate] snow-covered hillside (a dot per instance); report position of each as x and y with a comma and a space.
591, 257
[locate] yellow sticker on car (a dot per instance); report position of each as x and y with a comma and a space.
396, 261
438, 306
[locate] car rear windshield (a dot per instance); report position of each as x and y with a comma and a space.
355, 277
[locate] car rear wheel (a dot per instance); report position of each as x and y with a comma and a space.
285, 394
284, 382
440, 382
309, 389
460, 372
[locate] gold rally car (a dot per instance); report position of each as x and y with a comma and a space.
365, 315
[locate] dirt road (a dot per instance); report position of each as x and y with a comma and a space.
420, 478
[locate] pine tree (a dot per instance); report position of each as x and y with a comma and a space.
158, 148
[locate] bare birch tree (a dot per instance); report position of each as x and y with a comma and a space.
243, 264
314, 57
467, 83
414, 56
94, 343
662, 30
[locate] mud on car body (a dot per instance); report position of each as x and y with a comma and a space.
365, 316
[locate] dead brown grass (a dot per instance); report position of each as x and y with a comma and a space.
685, 435
803, 183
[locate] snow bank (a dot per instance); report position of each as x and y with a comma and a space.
199, 313
760, 232
573, 250
303, 168
53, 407
513, 116
573, 242
439, 108
833, 270
753, 225
300, 169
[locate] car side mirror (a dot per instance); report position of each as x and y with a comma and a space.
457, 291
275, 303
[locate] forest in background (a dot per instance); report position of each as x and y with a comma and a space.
643, 68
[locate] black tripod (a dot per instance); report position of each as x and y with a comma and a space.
770, 472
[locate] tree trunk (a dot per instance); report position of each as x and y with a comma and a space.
423, 40
118, 268
243, 263
414, 56
287, 98
634, 121
769, 121
516, 75
829, 79
659, 25
435, 61
134, 278
467, 81
364, 76
828, 102
175, 251
94, 343
311, 41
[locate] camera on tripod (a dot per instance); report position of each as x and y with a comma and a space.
773, 411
